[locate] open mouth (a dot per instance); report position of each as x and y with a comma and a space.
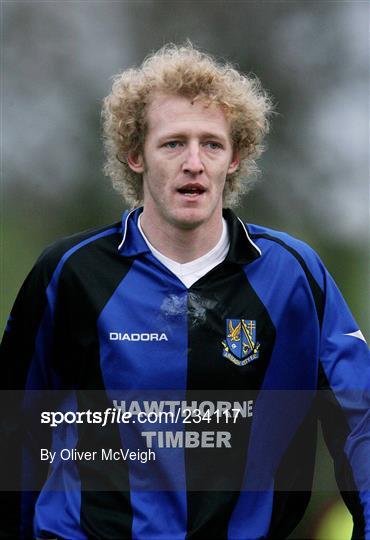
191, 190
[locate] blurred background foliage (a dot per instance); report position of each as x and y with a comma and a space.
57, 61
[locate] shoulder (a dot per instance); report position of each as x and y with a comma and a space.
56, 255
44, 275
285, 247
273, 239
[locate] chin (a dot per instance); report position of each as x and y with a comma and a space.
189, 219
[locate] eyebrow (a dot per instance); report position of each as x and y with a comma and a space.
182, 135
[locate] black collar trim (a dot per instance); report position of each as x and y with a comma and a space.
242, 248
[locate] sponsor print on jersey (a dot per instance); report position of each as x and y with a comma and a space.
145, 336
240, 346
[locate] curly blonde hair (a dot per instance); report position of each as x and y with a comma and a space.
185, 71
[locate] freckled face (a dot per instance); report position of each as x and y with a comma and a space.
187, 155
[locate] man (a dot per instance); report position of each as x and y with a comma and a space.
237, 331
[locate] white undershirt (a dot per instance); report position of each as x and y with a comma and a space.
191, 271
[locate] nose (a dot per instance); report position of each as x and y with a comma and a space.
193, 164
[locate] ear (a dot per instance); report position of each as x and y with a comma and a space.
135, 161
234, 163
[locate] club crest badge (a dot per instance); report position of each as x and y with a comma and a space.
240, 345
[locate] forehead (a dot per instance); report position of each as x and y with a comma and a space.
167, 113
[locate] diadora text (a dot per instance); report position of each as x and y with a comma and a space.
120, 336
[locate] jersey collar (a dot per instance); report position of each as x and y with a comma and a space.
242, 249
132, 242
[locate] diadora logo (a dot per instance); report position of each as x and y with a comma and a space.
145, 336
240, 345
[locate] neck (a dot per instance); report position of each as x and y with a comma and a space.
182, 245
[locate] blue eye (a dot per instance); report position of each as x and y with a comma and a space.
172, 144
214, 145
